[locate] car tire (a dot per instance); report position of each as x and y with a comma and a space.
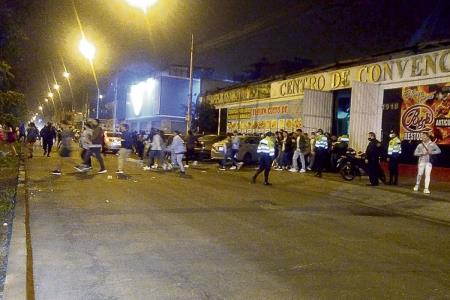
247, 158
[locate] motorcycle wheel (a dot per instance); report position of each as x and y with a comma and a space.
347, 173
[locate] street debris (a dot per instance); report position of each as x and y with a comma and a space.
109, 177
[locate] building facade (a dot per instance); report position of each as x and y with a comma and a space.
409, 93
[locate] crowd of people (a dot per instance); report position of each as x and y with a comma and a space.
283, 151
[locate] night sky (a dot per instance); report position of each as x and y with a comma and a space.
230, 34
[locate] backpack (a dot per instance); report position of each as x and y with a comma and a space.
32, 135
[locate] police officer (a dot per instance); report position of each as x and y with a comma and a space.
266, 149
373, 154
321, 150
394, 152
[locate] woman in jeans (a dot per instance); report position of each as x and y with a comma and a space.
426, 152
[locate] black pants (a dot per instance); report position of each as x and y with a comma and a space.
86, 159
47, 145
190, 155
265, 163
393, 170
321, 160
373, 169
97, 154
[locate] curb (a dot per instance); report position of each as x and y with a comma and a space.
17, 274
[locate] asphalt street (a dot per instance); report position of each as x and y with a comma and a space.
213, 235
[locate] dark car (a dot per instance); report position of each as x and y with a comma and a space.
204, 145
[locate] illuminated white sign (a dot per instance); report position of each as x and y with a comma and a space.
143, 91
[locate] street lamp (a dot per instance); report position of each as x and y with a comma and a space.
142, 4
46, 100
66, 74
50, 94
100, 96
87, 49
40, 107
56, 86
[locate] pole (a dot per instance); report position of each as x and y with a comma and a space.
115, 105
218, 125
189, 110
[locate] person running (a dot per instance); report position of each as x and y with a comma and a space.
155, 154
48, 135
179, 149
235, 145
394, 152
266, 149
426, 151
31, 138
125, 148
66, 147
85, 143
95, 148
22, 133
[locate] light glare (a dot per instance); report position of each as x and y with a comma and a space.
87, 49
144, 5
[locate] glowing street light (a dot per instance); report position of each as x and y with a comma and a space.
56, 86
40, 107
100, 96
46, 100
87, 49
144, 5
66, 74
50, 94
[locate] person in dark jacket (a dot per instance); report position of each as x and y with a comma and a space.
32, 136
125, 148
191, 141
95, 148
48, 135
373, 155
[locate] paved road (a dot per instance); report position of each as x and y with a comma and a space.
212, 235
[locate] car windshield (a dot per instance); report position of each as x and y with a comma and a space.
112, 134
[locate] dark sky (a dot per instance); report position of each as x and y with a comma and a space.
230, 34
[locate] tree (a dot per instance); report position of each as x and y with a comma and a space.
206, 117
12, 107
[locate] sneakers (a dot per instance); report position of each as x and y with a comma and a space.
278, 169
147, 168
119, 172
416, 188
195, 163
186, 166
102, 171
222, 168
293, 170
56, 172
309, 169
233, 168
302, 171
267, 183
155, 166
239, 165
426, 191
82, 168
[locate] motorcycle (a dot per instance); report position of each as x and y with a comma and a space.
354, 164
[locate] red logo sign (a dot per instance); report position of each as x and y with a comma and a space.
418, 118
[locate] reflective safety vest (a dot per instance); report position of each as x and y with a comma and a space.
321, 142
395, 147
266, 146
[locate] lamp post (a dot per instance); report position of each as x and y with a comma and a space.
88, 50
144, 5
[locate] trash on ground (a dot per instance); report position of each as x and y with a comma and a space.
109, 176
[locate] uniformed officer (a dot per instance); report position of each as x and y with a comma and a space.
266, 150
394, 152
373, 154
321, 150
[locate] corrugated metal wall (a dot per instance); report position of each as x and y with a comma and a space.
366, 111
317, 110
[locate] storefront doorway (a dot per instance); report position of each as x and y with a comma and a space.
341, 112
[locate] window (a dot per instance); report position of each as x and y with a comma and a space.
341, 112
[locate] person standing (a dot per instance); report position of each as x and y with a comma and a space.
373, 155
426, 151
31, 138
179, 149
48, 135
394, 152
301, 148
85, 143
125, 148
226, 150
312, 155
191, 141
321, 152
266, 150
65, 149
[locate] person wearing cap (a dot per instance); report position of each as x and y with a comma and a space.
321, 150
394, 152
266, 150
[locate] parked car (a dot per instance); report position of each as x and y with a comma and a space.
112, 141
247, 151
205, 144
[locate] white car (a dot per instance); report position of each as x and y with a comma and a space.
247, 150
112, 141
